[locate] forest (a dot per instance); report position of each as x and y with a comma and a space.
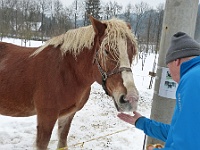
43, 19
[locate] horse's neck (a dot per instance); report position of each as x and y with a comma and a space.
81, 67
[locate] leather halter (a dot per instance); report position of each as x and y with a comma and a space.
105, 74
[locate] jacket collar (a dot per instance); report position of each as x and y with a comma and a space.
185, 66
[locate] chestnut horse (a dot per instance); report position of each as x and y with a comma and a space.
54, 81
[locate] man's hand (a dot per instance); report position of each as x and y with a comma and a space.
150, 147
128, 118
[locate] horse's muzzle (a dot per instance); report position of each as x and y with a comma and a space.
122, 100
127, 103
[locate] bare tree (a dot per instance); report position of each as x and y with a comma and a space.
111, 9
45, 6
5, 14
149, 27
159, 21
156, 35
60, 19
127, 13
16, 11
75, 14
10, 14
78, 10
24, 26
139, 10
34, 17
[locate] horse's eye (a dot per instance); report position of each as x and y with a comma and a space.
107, 52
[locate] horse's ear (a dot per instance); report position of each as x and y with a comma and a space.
129, 25
99, 27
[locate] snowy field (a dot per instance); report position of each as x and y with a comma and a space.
95, 127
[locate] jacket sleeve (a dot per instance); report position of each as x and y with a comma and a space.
153, 129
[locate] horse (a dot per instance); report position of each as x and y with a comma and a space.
53, 81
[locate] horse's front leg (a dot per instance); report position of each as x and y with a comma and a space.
46, 119
64, 124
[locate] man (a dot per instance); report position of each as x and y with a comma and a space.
183, 133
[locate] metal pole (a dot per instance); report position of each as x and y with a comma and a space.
179, 15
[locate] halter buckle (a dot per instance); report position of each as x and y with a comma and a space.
104, 76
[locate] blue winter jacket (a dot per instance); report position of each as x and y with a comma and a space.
184, 131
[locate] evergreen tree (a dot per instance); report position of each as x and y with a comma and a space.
93, 8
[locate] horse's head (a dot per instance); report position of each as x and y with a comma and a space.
115, 48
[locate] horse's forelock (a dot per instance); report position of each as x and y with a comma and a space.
117, 30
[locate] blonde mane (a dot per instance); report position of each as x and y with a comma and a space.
73, 41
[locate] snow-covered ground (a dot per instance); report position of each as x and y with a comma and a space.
95, 127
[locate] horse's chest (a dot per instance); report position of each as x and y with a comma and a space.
75, 102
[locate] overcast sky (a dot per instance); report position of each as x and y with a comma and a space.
124, 3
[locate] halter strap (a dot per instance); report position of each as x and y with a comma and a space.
105, 75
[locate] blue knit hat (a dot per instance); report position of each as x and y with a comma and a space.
182, 46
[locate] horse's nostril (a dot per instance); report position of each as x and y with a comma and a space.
122, 99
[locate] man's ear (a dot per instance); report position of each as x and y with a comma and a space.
178, 62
